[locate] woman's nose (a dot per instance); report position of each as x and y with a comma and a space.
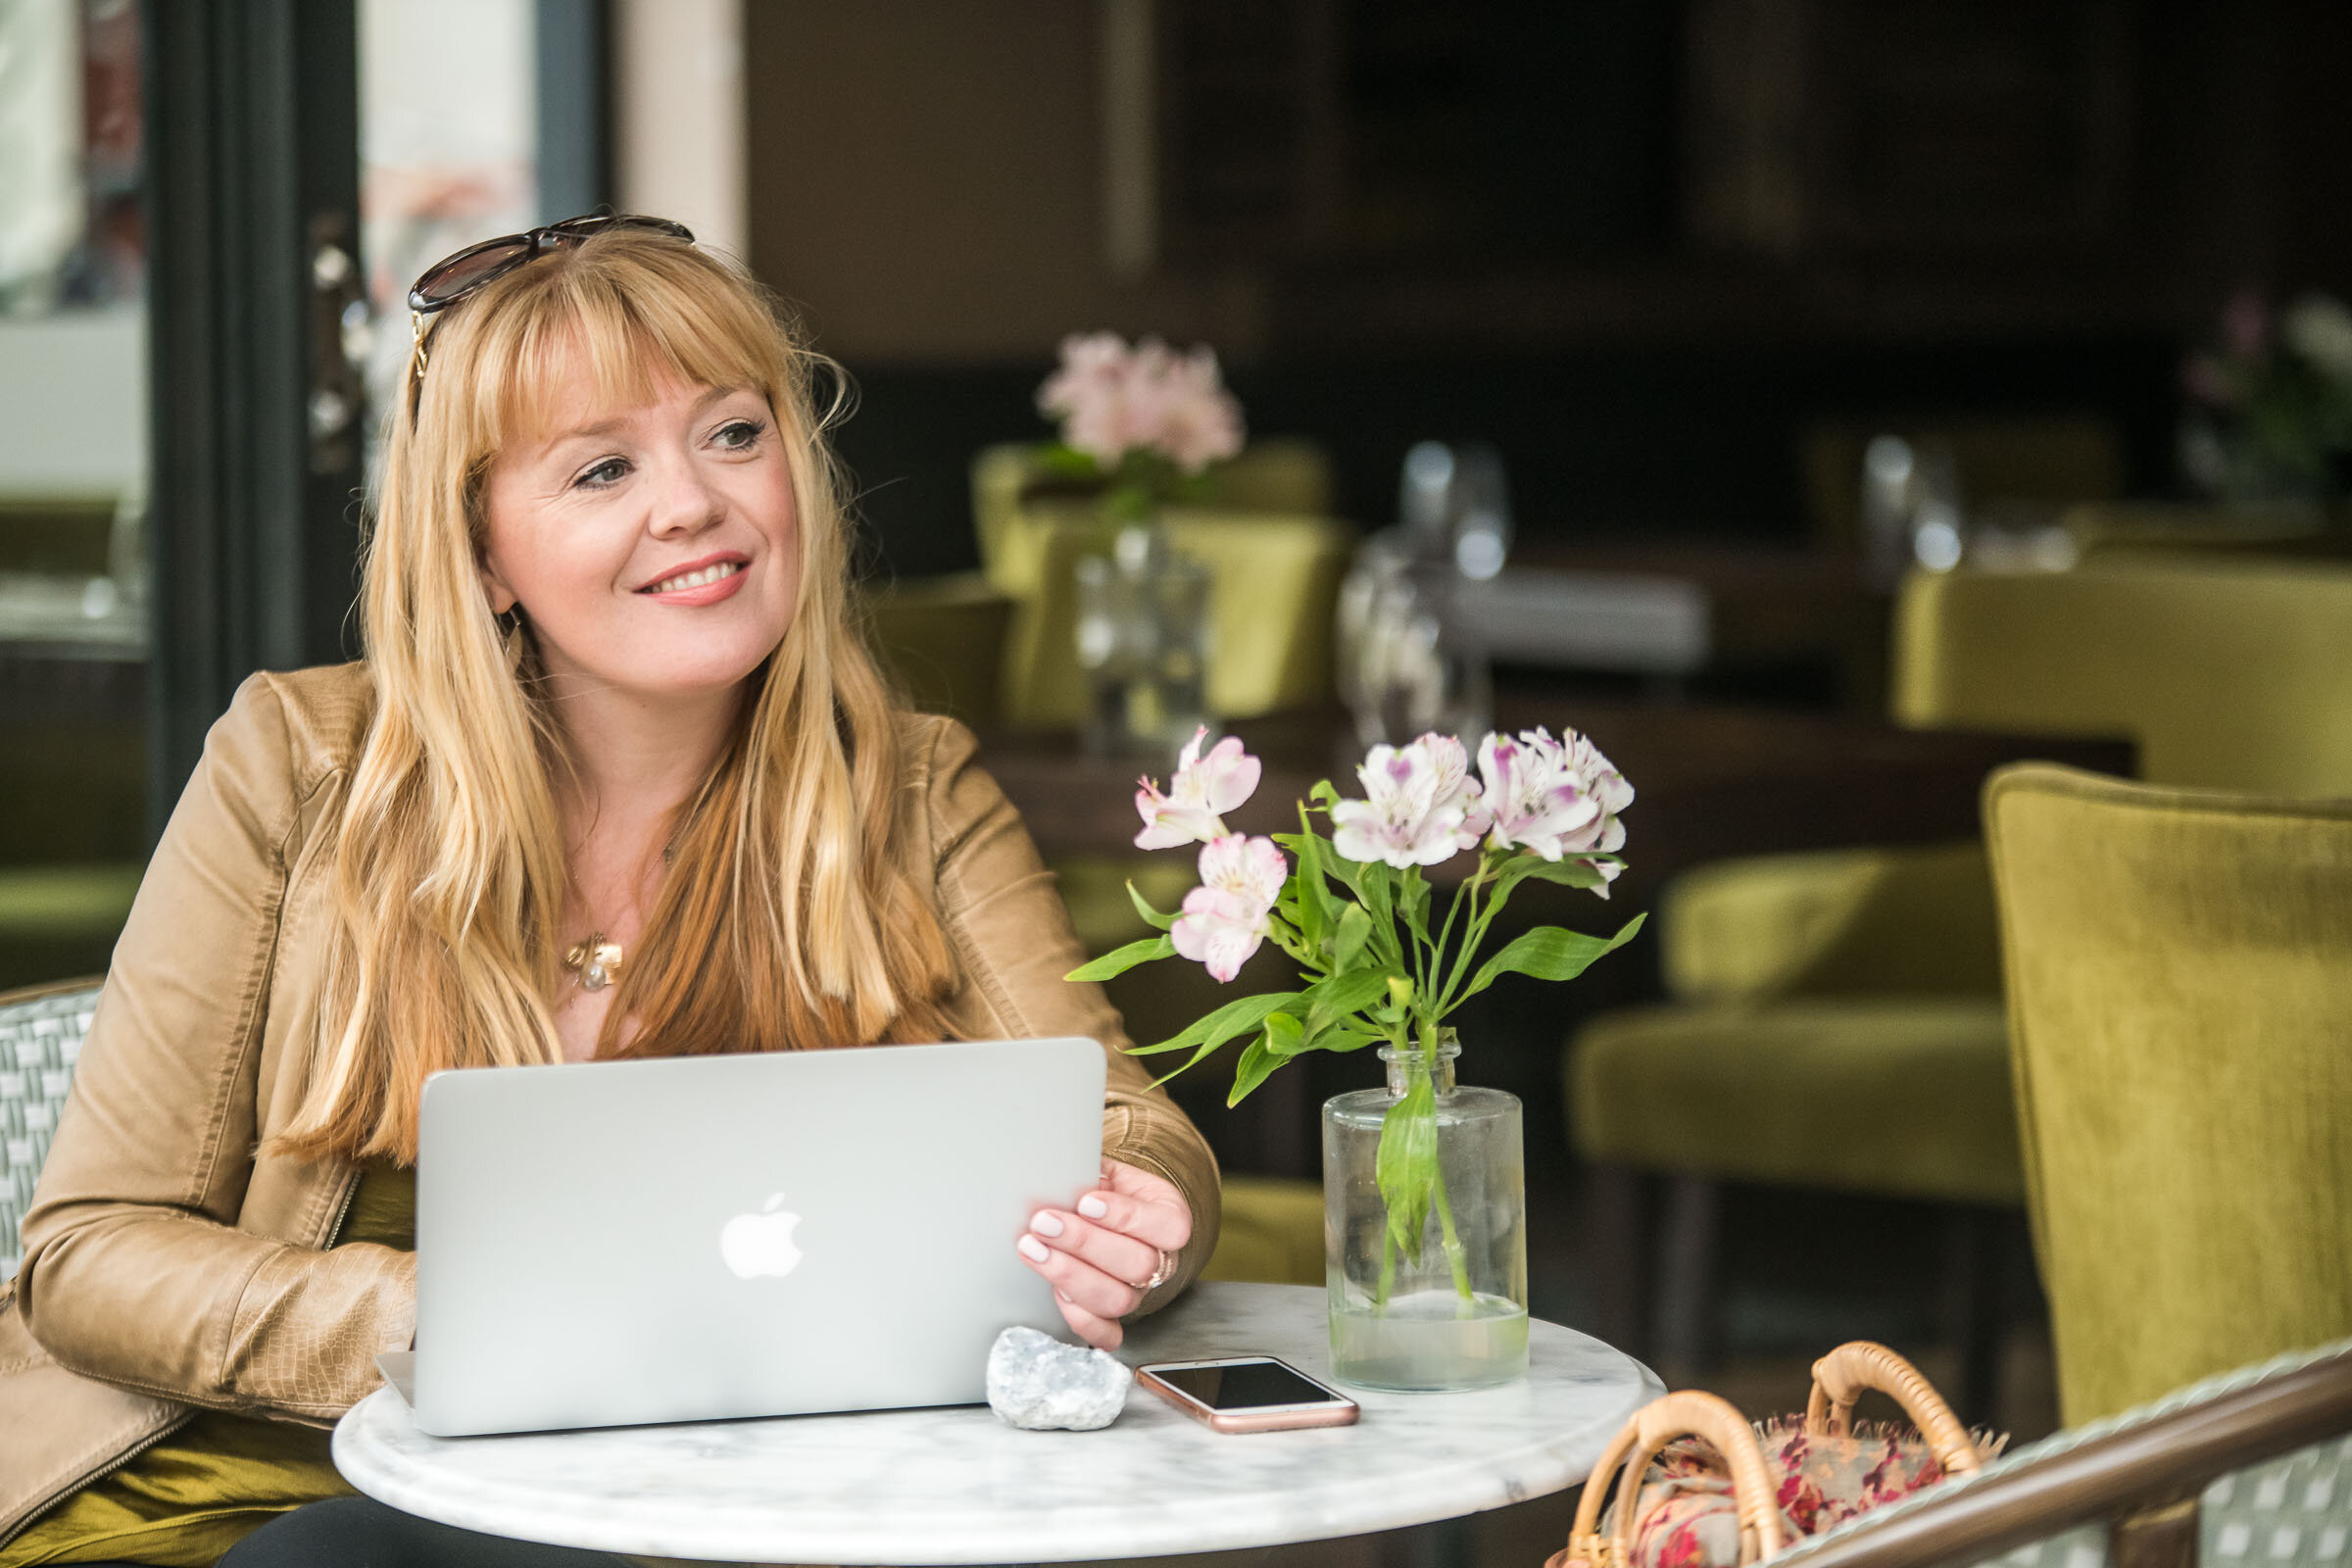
683, 502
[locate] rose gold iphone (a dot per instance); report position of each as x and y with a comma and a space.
1248, 1394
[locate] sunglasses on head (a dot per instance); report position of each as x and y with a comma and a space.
456, 276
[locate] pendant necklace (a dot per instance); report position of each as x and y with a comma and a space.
593, 962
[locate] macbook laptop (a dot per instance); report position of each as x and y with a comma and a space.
605, 1244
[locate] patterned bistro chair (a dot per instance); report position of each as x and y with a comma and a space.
2246, 1469
41, 1029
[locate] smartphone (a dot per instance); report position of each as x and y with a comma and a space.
1248, 1394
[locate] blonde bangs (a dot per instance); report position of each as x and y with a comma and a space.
790, 918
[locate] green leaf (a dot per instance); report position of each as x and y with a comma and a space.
1344, 1034
1206, 1034
1314, 894
1257, 1065
1550, 952
1152, 917
1413, 905
1284, 1037
1328, 1000
1323, 794
1121, 960
1406, 1165
1355, 929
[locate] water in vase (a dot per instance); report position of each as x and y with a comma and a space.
1426, 1340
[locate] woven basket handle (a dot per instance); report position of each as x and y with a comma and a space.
1690, 1413
1840, 1377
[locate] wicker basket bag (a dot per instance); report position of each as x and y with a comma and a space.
1697, 1487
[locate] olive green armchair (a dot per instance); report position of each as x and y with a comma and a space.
1836, 1020
2180, 972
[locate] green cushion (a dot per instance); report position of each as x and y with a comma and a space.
59, 921
1906, 1097
1272, 1232
1833, 922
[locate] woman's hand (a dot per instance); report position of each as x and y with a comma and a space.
1099, 1252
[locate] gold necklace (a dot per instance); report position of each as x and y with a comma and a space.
594, 962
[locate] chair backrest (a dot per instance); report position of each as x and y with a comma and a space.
2231, 671
41, 1029
1269, 475
2179, 970
944, 639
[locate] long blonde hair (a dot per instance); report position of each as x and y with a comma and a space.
789, 917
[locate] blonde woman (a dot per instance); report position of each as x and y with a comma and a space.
616, 778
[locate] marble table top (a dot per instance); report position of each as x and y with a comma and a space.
953, 1485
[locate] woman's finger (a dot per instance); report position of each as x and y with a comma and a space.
1085, 1285
1163, 1226
1103, 1333
1119, 1256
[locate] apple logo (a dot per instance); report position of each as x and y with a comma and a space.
761, 1244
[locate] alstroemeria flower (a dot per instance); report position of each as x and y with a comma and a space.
1420, 805
1555, 798
1224, 919
1203, 789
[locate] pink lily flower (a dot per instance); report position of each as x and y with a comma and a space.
1202, 790
1224, 919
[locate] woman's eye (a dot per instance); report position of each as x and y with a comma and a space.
607, 474
740, 435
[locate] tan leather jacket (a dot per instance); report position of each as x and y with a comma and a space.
166, 1268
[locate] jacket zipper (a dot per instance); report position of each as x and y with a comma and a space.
33, 1517
350, 1193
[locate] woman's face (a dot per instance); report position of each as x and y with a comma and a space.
653, 548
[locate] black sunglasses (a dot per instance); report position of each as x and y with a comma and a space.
454, 277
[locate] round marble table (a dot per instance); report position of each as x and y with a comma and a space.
953, 1485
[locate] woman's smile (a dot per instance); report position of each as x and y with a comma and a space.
700, 582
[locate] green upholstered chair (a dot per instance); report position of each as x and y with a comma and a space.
2225, 669
942, 638
2180, 975
1261, 524
57, 920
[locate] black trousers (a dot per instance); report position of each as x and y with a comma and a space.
362, 1533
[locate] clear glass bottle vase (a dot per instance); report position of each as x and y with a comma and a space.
1451, 1313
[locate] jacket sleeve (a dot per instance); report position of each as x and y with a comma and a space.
1013, 938
134, 1272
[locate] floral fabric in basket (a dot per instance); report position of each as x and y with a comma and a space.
1685, 1518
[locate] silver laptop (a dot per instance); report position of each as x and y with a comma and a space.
614, 1242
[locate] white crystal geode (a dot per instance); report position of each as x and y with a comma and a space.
1039, 1384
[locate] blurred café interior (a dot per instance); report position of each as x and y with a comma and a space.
1819, 404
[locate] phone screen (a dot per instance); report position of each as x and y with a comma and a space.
1244, 1385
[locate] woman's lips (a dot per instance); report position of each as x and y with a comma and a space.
707, 585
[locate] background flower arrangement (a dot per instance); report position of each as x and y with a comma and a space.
2271, 403
1145, 421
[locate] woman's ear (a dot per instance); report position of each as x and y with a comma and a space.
494, 588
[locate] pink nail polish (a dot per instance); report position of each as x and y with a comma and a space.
1032, 1249
1046, 1224
1093, 1207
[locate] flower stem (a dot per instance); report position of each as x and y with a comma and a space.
1456, 1258
1388, 1269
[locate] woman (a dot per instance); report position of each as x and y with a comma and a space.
616, 779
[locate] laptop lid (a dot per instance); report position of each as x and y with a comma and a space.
603, 1244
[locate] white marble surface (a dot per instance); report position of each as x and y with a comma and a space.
955, 1486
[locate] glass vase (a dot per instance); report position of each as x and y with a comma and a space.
1451, 1312
1142, 641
